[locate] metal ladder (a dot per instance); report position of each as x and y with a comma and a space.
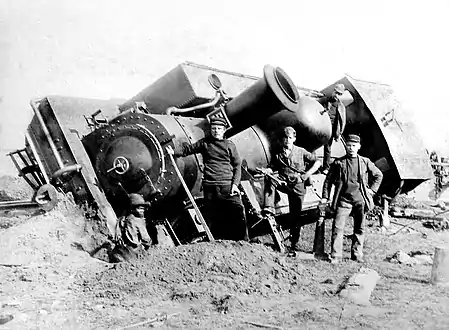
29, 169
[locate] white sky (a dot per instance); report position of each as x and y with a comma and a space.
113, 48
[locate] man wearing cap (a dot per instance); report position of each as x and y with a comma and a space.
294, 166
337, 114
134, 231
223, 207
356, 180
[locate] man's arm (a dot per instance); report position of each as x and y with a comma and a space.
341, 111
330, 178
186, 149
376, 174
315, 166
323, 101
236, 164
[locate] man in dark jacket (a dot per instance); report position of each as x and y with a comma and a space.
134, 225
294, 166
356, 180
223, 207
337, 114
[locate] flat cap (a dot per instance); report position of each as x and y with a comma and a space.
218, 121
353, 138
289, 131
137, 200
340, 88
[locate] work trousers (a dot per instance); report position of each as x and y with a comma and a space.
327, 154
224, 214
295, 193
358, 213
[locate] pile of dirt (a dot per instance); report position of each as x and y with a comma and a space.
39, 255
47, 237
14, 188
197, 271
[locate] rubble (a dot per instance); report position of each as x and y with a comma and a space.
359, 286
5, 318
410, 259
437, 224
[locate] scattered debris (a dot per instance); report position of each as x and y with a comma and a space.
260, 325
227, 303
307, 315
404, 202
413, 258
412, 213
402, 258
437, 224
5, 318
359, 286
151, 322
408, 228
423, 259
374, 215
11, 303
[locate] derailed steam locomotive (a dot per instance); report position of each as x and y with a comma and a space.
101, 152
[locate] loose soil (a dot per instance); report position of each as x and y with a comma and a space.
49, 279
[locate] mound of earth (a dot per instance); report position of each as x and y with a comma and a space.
14, 188
48, 237
49, 280
199, 271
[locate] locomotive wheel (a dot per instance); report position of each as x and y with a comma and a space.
46, 197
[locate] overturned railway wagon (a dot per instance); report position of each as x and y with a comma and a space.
103, 150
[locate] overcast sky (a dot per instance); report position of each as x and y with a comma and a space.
104, 49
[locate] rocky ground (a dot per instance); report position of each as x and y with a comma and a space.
48, 280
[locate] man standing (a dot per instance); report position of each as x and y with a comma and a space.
337, 114
293, 166
223, 206
356, 180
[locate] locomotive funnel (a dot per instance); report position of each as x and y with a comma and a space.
270, 94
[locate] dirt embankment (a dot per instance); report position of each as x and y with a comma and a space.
49, 280
14, 188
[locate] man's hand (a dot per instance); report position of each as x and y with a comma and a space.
265, 170
304, 176
234, 190
282, 183
170, 150
323, 201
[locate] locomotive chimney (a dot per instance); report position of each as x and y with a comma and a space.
270, 94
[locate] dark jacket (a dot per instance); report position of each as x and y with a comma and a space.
222, 163
289, 168
339, 121
370, 177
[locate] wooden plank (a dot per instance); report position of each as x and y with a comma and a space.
192, 200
